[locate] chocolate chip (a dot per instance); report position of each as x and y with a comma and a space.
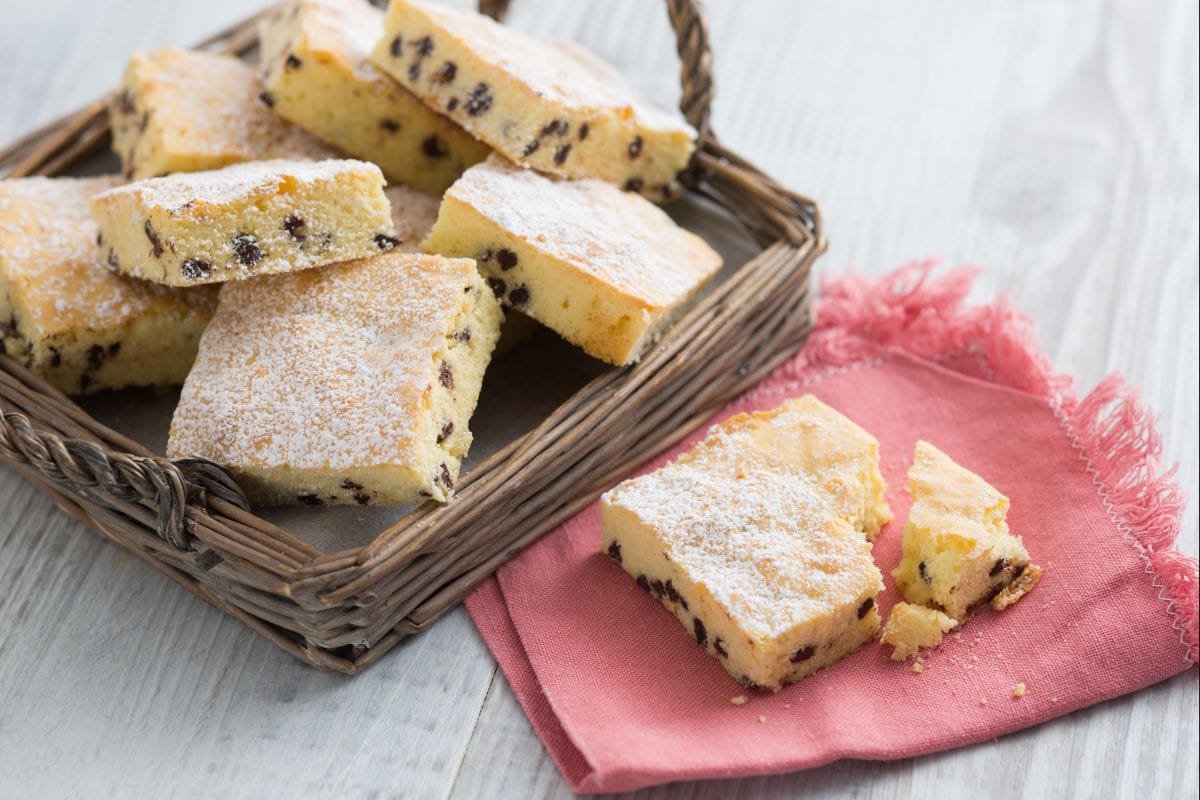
464, 335
385, 242
658, 587
85, 380
396, 47
292, 225
194, 269
444, 434
479, 100
55, 357
998, 567
804, 654
112, 259
362, 498
556, 127
634, 184
444, 477
699, 631
642, 582
531, 148
126, 103
100, 238
497, 286
309, 499
749, 684
1019, 571
144, 122
635, 147
507, 259
424, 493
447, 73
246, 250
719, 647
674, 595
95, 356
389, 125
519, 296
268, 99
583, 131
924, 574
446, 376
424, 46
113, 349
614, 551
434, 147
351, 486
414, 70
291, 62
452, 104
156, 248
866, 606
561, 152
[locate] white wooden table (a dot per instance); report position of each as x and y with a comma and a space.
1054, 142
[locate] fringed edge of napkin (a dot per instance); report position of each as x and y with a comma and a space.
1114, 433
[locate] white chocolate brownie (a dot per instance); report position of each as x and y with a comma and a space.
67, 317
249, 219
349, 384
544, 104
958, 553
186, 111
750, 556
605, 269
910, 627
805, 434
315, 71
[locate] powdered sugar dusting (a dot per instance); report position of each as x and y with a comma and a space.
618, 237
322, 369
762, 540
48, 254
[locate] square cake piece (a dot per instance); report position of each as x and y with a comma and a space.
243, 220
66, 316
750, 556
185, 111
349, 384
605, 269
957, 552
805, 434
544, 104
316, 73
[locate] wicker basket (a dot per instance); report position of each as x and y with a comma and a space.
342, 610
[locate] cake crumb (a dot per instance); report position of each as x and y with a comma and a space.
983, 701
787, 705
918, 667
739, 700
761, 718
1053, 699
1019, 690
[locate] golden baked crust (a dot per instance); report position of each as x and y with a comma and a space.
545, 104
316, 73
353, 383
186, 111
605, 269
69, 318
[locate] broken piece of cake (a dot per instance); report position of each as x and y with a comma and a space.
958, 555
910, 627
750, 555
542, 103
316, 74
186, 110
352, 384
249, 219
605, 269
66, 316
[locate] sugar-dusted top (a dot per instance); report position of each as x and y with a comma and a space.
325, 368
209, 104
563, 74
762, 540
49, 260
948, 497
247, 181
617, 237
413, 213
342, 31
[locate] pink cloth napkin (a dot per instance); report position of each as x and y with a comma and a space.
623, 697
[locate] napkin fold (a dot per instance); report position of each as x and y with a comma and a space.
622, 696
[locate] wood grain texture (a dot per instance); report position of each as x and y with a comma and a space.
1054, 143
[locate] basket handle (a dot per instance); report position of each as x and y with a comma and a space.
693, 45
